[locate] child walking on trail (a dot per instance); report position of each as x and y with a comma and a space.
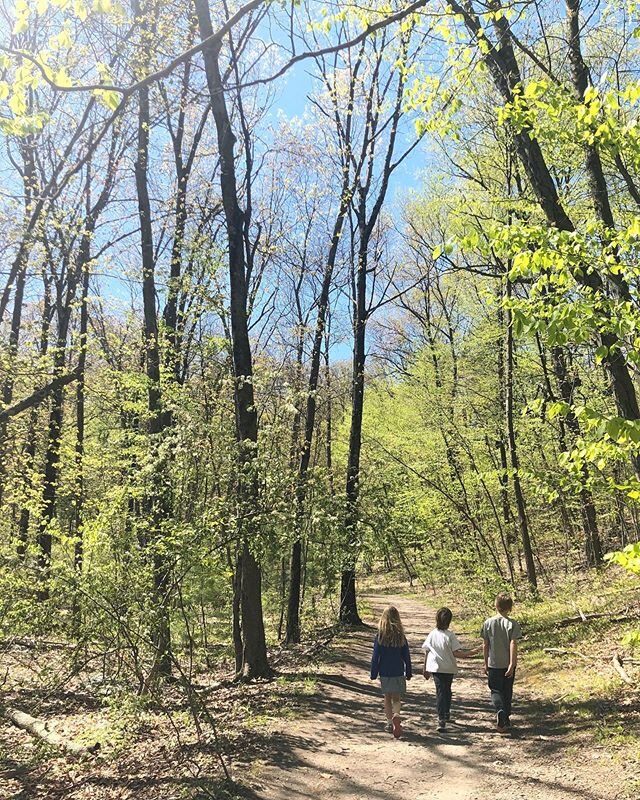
391, 661
441, 649
501, 636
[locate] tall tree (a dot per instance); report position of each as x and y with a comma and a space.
254, 655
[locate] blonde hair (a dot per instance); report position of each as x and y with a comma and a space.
390, 630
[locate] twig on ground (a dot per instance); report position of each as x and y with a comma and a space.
617, 665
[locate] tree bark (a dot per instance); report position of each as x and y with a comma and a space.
348, 604
366, 222
513, 451
566, 387
32, 433
30, 187
293, 606
255, 662
54, 435
156, 501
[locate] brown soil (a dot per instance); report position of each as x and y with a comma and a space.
337, 746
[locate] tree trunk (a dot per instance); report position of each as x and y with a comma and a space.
297, 457
255, 663
513, 451
329, 414
593, 545
7, 391
293, 609
54, 437
30, 187
348, 605
78, 520
32, 431
156, 501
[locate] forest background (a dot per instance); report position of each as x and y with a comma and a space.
248, 356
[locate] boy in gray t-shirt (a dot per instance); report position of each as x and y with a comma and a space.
500, 635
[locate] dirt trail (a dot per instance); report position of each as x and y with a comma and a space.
337, 747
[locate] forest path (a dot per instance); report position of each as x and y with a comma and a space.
337, 747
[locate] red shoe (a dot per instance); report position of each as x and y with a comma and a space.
397, 727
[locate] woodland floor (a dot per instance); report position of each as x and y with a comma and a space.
325, 741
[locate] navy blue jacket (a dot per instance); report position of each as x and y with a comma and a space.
390, 662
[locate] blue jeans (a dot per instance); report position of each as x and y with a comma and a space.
501, 689
443, 681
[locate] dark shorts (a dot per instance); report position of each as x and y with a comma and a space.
397, 684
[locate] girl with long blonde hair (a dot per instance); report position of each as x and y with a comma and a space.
391, 661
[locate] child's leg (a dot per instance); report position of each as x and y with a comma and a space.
448, 694
396, 721
508, 695
388, 710
496, 684
441, 695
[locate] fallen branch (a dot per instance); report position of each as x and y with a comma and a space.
581, 617
560, 651
39, 395
34, 644
617, 665
316, 646
38, 728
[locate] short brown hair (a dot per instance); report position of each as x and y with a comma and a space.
504, 603
443, 618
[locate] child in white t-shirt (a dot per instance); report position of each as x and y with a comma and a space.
441, 649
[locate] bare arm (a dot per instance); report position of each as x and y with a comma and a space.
424, 668
485, 651
513, 658
469, 652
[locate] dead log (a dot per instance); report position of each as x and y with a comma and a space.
619, 668
38, 728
